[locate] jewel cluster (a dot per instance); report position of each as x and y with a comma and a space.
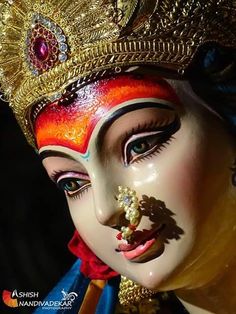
132, 293
128, 200
45, 45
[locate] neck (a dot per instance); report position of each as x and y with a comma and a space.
218, 297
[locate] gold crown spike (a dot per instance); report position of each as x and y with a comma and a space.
47, 44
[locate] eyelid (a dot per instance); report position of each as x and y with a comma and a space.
57, 176
136, 137
153, 125
167, 129
140, 135
81, 179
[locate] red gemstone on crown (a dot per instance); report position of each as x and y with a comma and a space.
41, 49
46, 45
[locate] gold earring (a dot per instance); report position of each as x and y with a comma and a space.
128, 201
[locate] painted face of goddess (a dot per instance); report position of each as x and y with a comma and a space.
155, 137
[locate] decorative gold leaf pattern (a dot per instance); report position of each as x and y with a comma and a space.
105, 34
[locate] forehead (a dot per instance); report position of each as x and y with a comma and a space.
71, 125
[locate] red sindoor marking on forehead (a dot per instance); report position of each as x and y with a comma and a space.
71, 126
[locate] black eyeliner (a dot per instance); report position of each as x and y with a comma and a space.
53, 153
148, 127
120, 112
167, 129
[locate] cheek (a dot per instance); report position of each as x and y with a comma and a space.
93, 233
82, 212
181, 172
185, 174
174, 175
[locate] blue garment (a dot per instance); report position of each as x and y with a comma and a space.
76, 284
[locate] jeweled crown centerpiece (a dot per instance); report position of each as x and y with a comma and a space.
45, 45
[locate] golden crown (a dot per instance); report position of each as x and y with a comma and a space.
47, 44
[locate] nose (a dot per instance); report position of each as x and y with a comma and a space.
105, 202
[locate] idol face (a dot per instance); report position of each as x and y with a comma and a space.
155, 137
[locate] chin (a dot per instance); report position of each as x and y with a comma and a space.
164, 282
151, 279
162, 273
153, 283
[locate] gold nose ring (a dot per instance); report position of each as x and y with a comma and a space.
128, 201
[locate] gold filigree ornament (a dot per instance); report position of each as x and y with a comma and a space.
132, 293
45, 45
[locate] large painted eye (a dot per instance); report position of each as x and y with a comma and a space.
141, 146
144, 146
73, 186
143, 143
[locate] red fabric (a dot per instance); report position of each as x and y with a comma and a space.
91, 265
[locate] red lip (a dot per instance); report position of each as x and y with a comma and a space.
140, 238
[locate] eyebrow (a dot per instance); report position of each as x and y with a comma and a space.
120, 112
54, 153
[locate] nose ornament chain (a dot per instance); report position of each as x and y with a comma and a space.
128, 201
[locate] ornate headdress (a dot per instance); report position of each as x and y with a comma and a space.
47, 44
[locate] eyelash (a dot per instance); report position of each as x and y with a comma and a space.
151, 126
80, 193
166, 128
77, 194
155, 151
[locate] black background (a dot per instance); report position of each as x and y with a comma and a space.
35, 225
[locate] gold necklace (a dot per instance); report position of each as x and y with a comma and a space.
131, 293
